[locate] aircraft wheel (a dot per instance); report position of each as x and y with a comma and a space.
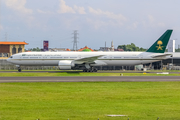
19, 70
95, 70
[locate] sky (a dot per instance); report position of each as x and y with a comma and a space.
140, 22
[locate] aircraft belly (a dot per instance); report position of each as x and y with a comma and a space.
122, 62
50, 62
149, 61
128, 62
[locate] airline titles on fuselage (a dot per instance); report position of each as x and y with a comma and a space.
59, 56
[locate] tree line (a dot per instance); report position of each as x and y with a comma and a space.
130, 47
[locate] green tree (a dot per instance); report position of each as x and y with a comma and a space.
130, 47
177, 50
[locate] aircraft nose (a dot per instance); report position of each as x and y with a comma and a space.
8, 59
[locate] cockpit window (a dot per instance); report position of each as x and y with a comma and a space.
11, 57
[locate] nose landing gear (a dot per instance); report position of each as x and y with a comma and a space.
19, 68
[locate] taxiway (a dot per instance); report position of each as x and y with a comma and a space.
90, 79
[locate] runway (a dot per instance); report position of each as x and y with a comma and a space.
90, 79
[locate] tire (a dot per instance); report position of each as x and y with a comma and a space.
19, 70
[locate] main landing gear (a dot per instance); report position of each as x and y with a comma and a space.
90, 70
19, 69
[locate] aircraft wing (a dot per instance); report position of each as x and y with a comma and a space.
87, 59
163, 55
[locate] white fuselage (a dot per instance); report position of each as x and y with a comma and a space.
108, 58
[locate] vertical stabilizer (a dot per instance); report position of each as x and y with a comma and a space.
160, 45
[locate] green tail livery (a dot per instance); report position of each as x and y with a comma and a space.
160, 45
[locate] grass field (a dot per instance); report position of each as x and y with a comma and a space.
90, 101
37, 74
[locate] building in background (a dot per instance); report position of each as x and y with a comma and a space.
112, 46
171, 46
45, 45
68, 49
104, 49
118, 50
107, 48
9, 48
56, 49
86, 49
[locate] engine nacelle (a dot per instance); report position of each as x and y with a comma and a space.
65, 65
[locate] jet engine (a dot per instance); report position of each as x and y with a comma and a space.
65, 65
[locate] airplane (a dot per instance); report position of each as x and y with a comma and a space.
71, 60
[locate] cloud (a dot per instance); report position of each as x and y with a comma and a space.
105, 18
24, 14
44, 12
97, 23
152, 22
133, 25
108, 14
63, 8
1, 27
151, 18
18, 5
80, 10
161, 24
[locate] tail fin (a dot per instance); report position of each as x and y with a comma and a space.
160, 45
